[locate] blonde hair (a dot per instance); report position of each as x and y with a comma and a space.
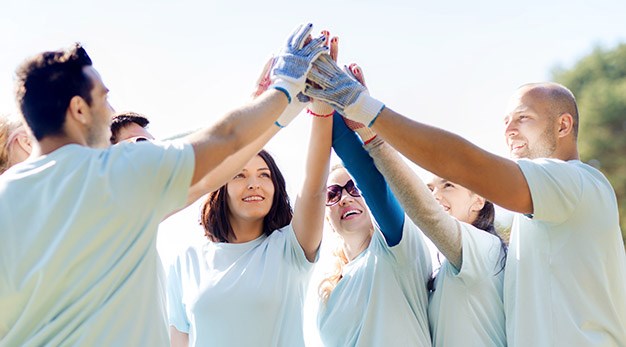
8, 131
328, 284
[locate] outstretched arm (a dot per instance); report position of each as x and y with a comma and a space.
418, 201
379, 198
308, 217
495, 178
244, 125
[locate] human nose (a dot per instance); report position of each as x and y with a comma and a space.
436, 194
510, 129
345, 197
253, 183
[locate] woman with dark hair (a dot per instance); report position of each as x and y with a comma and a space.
246, 285
465, 306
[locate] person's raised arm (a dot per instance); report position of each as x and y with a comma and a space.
308, 217
418, 201
379, 198
243, 126
495, 178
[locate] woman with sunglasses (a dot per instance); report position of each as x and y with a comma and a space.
466, 306
377, 294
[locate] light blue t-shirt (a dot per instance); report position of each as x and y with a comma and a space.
466, 308
241, 294
78, 260
382, 298
565, 279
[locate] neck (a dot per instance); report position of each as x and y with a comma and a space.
246, 230
50, 144
355, 243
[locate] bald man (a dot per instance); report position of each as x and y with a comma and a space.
565, 279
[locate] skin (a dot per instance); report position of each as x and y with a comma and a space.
497, 179
132, 132
349, 218
250, 196
460, 202
20, 147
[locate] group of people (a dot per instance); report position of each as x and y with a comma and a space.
79, 220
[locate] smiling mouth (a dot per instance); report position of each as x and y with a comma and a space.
253, 198
350, 213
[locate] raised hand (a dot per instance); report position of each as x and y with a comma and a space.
319, 108
329, 83
264, 80
366, 134
294, 61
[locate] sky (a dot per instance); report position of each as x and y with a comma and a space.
185, 63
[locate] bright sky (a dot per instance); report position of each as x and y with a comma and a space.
184, 63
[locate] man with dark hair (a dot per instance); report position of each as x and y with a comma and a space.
131, 127
78, 261
565, 277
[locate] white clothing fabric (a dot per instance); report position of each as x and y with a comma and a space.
241, 294
565, 280
78, 259
466, 309
382, 298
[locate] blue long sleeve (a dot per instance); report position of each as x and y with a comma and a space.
385, 208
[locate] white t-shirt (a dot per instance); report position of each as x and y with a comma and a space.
466, 308
565, 279
78, 259
241, 294
382, 298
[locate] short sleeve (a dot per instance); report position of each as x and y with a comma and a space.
177, 316
412, 251
555, 187
481, 255
293, 251
154, 175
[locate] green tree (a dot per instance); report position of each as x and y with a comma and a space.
599, 83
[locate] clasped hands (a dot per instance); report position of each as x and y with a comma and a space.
305, 69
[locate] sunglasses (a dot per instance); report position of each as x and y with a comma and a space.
334, 192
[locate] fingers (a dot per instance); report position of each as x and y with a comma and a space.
357, 73
299, 36
264, 80
334, 48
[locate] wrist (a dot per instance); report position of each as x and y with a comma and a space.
364, 110
366, 134
288, 87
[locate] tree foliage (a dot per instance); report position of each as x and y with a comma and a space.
599, 83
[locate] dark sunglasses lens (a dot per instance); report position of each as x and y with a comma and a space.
352, 189
139, 139
333, 194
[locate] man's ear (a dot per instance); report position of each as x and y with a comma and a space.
78, 109
566, 124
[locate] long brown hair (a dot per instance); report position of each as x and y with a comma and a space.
215, 211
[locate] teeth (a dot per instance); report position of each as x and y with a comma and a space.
349, 213
253, 198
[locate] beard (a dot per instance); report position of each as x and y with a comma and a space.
545, 147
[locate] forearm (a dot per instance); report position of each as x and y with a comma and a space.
308, 220
450, 156
232, 133
230, 166
418, 202
379, 198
